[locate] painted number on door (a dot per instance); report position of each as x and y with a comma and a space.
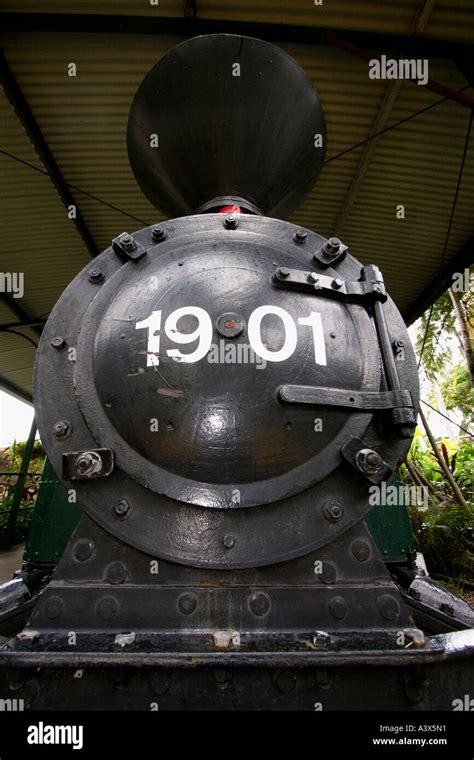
203, 334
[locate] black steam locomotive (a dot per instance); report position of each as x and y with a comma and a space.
221, 391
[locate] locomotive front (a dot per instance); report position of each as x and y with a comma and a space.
221, 392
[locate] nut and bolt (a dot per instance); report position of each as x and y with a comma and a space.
300, 237
122, 508
88, 463
332, 246
313, 277
127, 241
369, 461
333, 512
283, 272
95, 275
158, 233
61, 429
337, 283
58, 342
321, 640
230, 222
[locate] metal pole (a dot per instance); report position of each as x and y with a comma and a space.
454, 486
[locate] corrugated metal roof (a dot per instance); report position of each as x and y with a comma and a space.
83, 120
447, 20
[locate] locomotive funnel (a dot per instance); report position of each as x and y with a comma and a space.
221, 119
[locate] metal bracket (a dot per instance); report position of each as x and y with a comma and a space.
356, 453
330, 254
359, 291
88, 465
128, 248
360, 400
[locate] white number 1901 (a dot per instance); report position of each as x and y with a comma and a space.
203, 334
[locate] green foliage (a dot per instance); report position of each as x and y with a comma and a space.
445, 533
446, 538
436, 357
11, 461
24, 518
458, 393
11, 457
458, 454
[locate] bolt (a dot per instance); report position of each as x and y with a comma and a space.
321, 639
116, 572
121, 508
313, 277
388, 606
337, 283
54, 607
95, 275
332, 246
338, 607
61, 429
360, 549
368, 461
58, 342
283, 272
158, 233
259, 604
228, 541
127, 241
187, 603
230, 222
300, 237
83, 550
333, 512
285, 681
88, 463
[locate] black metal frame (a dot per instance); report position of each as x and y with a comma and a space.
188, 27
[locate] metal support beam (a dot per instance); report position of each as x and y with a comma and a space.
15, 390
399, 45
381, 119
40, 323
19, 312
391, 94
20, 106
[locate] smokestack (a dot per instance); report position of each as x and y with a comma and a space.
226, 119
